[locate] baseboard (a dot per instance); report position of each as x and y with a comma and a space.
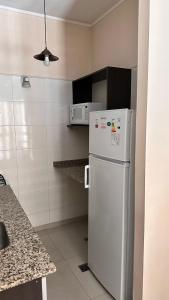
60, 223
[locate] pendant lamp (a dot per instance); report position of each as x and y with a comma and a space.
46, 56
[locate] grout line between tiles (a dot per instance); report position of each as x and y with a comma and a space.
67, 262
69, 267
91, 298
16, 153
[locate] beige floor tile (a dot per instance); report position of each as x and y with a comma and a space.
68, 250
63, 285
54, 253
76, 228
104, 297
87, 279
70, 241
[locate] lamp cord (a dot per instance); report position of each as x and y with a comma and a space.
45, 23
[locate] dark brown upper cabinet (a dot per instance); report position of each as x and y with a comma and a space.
110, 85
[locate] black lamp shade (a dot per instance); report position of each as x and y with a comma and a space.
46, 52
46, 56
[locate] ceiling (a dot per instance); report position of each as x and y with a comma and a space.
85, 11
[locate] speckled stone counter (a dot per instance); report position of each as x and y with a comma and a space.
73, 168
71, 163
25, 259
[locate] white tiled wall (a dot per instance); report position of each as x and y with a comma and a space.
33, 134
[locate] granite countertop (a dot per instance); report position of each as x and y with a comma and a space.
25, 259
73, 168
71, 163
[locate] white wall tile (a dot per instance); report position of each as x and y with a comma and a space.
6, 113
33, 180
57, 198
61, 195
38, 219
67, 198
7, 138
5, 88
68, 193
30, 113
55, 155
57, 183
34, 200
35, 93
33, 137
59, 91
33, 134
57, 115
8, 168
72, 143
69, 212
32, 168
55, 176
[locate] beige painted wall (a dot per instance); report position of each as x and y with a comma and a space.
143, 40
153, 156
115, 37
112, 41
22, 36
156, 244
115, 42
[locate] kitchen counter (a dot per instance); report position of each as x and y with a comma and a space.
73, 168
25, 259
71, 163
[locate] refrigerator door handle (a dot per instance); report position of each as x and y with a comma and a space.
87, 177
72, 112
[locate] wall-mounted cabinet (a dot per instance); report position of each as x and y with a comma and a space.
110, 85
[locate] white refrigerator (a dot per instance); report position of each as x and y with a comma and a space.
111, 191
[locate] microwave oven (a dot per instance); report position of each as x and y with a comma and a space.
79, 113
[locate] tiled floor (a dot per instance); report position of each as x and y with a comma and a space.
68, 250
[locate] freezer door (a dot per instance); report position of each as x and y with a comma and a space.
110, 134
108, 196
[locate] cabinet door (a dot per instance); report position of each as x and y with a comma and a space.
119, 88
28, 291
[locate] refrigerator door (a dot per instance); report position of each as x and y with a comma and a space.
110, 134
108, 197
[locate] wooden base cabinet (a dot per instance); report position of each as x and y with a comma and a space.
34, 290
